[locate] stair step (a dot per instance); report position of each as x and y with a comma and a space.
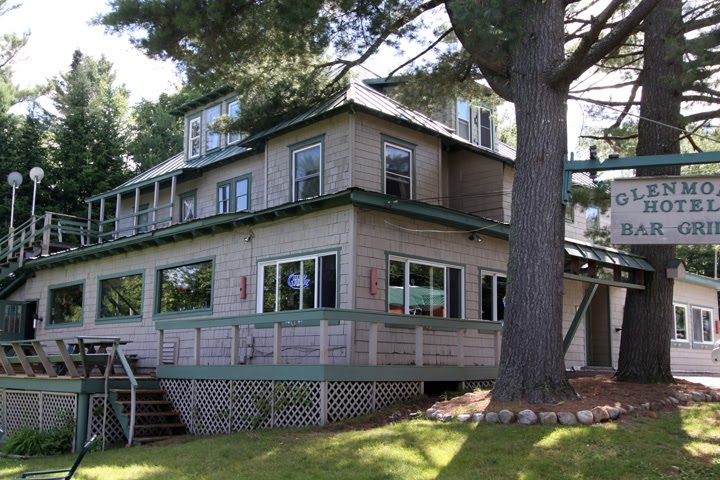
153, 414
151, 439
145, 402
159, 425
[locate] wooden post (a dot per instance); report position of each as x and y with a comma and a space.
21, 252
324, 342
20, 354
373, 344
497, 348
67, 359
461, 348
277, 343
161, 341
419, 345
323, 402
136, 214
101, 226
118, 201
156, 199
88, 236
40, 352
173, 185
47, 231
234, 352
197, 346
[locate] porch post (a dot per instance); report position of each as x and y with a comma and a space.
89, 225
156, 198
83, 411
497, 348
135, 210
101, 226
118, 199
47, 233
373, 343
197, 346
173, 185
419, 345
324, 340
277, 343
234, 343
461, 348
161, 340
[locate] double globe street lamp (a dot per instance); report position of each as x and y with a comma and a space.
14, 179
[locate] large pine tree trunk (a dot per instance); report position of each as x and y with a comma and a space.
531, 364
648, 315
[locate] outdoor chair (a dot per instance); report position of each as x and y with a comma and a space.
65, 474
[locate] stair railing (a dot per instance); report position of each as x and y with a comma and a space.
133, 390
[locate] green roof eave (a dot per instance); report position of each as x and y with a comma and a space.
200, 101
16, 283
702, 280
131, 188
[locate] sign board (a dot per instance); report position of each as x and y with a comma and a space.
665, 210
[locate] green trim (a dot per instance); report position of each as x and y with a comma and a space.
48, 307
610, 327
385, 139
156, 296
600, 281
329, 373
701, 280
182, 196
311, 253
331, 314
69, 385
582, 309
680, 344
218, 186
123, 319
628, 163
318, 139
81, 428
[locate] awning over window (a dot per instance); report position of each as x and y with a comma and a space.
607, 256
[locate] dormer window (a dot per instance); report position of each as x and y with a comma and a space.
233, 110
474, 124
463, 119
212, 138
194, 137
398, 171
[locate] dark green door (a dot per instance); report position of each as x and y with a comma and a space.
13, 323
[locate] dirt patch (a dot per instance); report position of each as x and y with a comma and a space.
594, 391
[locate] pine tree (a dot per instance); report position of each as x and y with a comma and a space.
155, 133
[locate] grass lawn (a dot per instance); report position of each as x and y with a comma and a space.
682, 444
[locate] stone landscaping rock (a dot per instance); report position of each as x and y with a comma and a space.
446, 417
527, 417
506, 417
567, 418
714, 396
430, 413
697, 396
464, 417
478, 417
600, 414
622, 411
674, 400
708, 398
613, 412
549, 418
585, 417
645, 406
631, 409
492, 417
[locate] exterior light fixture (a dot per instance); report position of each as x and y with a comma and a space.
249, 236
14, 180
475, 237
36, 175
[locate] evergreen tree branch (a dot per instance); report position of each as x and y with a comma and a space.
610, 138
604, 87
697, 117
432, 45
629, 104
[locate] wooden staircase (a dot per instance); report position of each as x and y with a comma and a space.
155, 416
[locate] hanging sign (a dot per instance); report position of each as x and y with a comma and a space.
665, 210
297, 281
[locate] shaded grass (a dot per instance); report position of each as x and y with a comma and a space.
682, 444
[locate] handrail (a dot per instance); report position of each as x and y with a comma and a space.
133, 389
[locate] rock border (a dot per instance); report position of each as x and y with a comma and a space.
599, 414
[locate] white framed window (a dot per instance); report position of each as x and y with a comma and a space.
680, 333
188, 202
702, 325
463, 119
307, 171
223, 197
398, 170
493, 289
242, 193
298, 283
485, 128
234, 195
419, 287
212, 138
233, 110
194, 133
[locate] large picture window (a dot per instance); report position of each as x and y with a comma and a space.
298, 283
493, 287
680, 315
121, 297
423, 288
702, 325
398, 170
66, 304
187, 288
307, 171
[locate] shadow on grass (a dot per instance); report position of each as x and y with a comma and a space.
643, 448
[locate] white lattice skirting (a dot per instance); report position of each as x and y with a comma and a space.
32, 409
210, 407
113, 430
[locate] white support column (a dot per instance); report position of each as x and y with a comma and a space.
156, 198
88, 238
235, 335
161, 341
47, 233
135, 210
173, 185
419, 345
461, 348
197, 346
497, 348
101, 226
118, 199
373, 344
277, 343
323, 403
324, 342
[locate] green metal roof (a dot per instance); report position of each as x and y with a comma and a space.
605, 255
702, 280
200, 101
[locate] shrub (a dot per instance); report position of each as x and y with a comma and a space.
30, 441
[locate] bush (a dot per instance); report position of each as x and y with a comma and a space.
30, 441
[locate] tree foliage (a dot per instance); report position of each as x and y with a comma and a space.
155, 133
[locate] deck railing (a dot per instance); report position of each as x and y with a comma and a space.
321, 319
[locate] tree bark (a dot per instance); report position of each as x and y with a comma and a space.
648, 314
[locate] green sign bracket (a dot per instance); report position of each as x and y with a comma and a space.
626, 163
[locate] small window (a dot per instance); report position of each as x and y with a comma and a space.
702, 325
194, 137
463, 119
188, 203
233, 111
212, 138
223, 198
142, 218
121, 296
306, 171
66, 304
398, 170
486, 129
493, 290
419, 288
298, 283
242, 194
680, 323
187, 288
